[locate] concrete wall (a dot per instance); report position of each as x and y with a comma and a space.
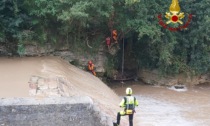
63, 111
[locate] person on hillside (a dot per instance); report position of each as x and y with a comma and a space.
91, 67
128, 103
114, 35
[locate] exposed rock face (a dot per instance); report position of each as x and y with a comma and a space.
99, 59
42, 87
34, 50
79, 60
154, 78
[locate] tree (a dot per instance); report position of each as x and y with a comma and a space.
75, 22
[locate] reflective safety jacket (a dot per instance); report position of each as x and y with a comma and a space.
129, 103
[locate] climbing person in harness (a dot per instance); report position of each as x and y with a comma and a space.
114, 35
91, 67
128, 103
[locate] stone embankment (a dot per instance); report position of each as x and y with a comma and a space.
155, 78
64, 111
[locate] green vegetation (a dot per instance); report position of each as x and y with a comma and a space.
74, 22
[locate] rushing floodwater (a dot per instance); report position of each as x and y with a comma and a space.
158, 106
162, 106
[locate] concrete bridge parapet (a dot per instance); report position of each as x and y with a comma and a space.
53, 111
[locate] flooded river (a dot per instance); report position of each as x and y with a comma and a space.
15, 74
162, 106
158, 106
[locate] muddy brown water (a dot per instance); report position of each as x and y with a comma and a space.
158, 106
15, 74
167, 106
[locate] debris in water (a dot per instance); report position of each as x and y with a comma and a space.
178, 88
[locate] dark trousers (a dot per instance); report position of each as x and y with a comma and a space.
130, 119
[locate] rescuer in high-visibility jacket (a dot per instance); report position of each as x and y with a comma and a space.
114, 35
128, 103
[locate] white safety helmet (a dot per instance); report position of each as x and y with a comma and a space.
128, 91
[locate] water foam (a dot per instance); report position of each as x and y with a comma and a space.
152, 112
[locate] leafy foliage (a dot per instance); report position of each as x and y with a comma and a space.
174, 52
74, 22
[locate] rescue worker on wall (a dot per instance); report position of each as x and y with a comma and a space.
114, 35
91, 67
128, 103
